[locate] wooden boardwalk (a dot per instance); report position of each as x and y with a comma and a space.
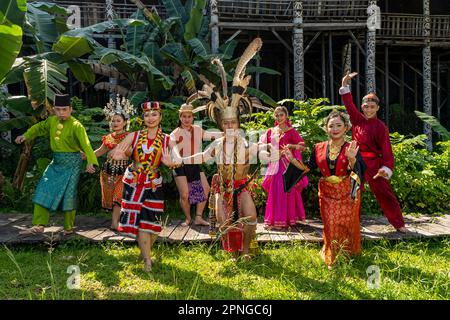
96, 229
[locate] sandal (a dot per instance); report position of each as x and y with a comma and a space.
33, 230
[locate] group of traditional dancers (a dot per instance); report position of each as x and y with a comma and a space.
132, 188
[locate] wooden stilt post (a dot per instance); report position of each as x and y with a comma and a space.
111, 43
402, 84
287, 82
214, 26
324, 67
371, 45
330, 62
426, 54
358, 82
297, 43
438, 89
386, 85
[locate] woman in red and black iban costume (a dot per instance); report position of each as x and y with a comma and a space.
143, 199
342, 170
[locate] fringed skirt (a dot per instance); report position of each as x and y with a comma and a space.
142, 204
340, 217
57, 188
111, 177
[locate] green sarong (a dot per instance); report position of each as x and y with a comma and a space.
57, 189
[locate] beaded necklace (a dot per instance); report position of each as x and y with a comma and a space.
149, 158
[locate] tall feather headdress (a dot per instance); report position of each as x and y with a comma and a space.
220, 106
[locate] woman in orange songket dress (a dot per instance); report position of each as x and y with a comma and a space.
118, 113
342, 170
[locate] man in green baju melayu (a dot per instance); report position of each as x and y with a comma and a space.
57, 189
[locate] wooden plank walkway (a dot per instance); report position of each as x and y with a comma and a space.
96, 229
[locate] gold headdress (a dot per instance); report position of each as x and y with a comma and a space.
121, 106
220, 106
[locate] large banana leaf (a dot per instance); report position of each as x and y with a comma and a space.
76, 43
261, 70
43, 79
10, 44
15, 74
152, 51
20, 106
112, 56
175, 52
12, 12
189, 81
43, 27
194, 23
72, 47
261, 96
136, 35
227, 49
16, 123
434, 124
199, 47
83, 72
176, 9
59, 14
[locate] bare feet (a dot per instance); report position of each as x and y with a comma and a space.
33, 230
148, 264
402, 230
186, 223
246, 257
200, 222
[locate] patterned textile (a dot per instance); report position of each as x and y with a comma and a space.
143, 199
142, 204
340, 216
196, 192
57, 188
233, 238
192, 174
112, 189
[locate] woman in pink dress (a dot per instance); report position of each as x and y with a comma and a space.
283, 209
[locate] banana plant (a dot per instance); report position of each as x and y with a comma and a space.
12, 14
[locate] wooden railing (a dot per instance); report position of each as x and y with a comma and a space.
93, 12
282, 10
410, 27
335, 10
401, 26
393, 25
440, 27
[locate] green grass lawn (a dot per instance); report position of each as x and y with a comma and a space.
409, 270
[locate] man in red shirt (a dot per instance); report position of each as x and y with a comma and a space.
372, 136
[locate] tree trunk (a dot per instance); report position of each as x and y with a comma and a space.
22, 166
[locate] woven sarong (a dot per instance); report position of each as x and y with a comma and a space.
340, 216
57, 189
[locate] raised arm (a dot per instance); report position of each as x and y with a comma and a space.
344, 91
